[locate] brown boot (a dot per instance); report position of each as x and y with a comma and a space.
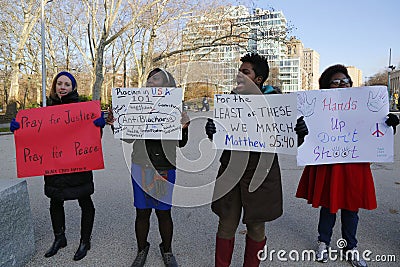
223, 251
251, 252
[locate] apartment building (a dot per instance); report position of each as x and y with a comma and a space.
308, 72
356, 75
263, 31
310, 64
292, 67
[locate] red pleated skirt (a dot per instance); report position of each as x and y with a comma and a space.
347, 186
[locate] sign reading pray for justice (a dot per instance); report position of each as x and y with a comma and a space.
345, 125
147, 113
58, 139
263, 123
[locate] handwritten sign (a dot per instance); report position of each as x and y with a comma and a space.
263, 123
58, 139
345, 125
147, 113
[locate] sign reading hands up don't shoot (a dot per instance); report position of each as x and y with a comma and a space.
345, 125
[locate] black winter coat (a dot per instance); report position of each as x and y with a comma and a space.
70, 185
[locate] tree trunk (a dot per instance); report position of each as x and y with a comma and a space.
14, 88
11, 110
96, 91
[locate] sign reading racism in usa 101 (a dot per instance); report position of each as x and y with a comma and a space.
147, 113
58, 139
263, 123
345, 125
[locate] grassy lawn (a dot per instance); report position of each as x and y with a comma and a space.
4, 129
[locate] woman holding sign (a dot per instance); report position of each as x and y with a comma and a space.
344, 186
153, 177
248, 181
69, 186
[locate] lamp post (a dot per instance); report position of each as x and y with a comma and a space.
43, 58
42, 33
390, 69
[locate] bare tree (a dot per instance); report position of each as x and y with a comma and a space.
20, 31
380, 78
103, 28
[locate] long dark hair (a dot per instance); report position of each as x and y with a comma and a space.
326, 76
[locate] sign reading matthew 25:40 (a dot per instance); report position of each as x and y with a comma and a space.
262, 123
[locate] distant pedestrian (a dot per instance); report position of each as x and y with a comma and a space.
205, 104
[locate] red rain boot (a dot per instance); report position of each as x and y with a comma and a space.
251, 252
223, 252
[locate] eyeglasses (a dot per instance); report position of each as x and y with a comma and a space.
338, 82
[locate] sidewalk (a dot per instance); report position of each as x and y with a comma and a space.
114, 242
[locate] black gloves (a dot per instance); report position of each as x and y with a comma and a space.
301, 130
210, 128
301, 127
393, 121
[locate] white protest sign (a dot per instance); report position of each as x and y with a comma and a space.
345, 125
147, 113
263, 123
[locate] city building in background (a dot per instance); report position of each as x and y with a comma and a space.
395, 88
263, 31
310, 64
356, 76
307, 62
292, 67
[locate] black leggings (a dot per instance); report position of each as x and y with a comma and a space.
142, 226
57, 215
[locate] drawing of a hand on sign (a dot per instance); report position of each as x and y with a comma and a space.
303, 106
377, 102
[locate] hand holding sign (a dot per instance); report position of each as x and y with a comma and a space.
100, 121
393, 121
14, 125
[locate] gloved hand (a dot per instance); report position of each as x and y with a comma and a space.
100, 122
210, 128
393, 121
14, 125
301, 127
301, 130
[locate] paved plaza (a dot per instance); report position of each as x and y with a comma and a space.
113, 239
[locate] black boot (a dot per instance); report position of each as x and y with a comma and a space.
84, 246
59, 242
141, 257
87, 220
168, 258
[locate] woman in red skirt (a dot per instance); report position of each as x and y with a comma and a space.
344, 186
